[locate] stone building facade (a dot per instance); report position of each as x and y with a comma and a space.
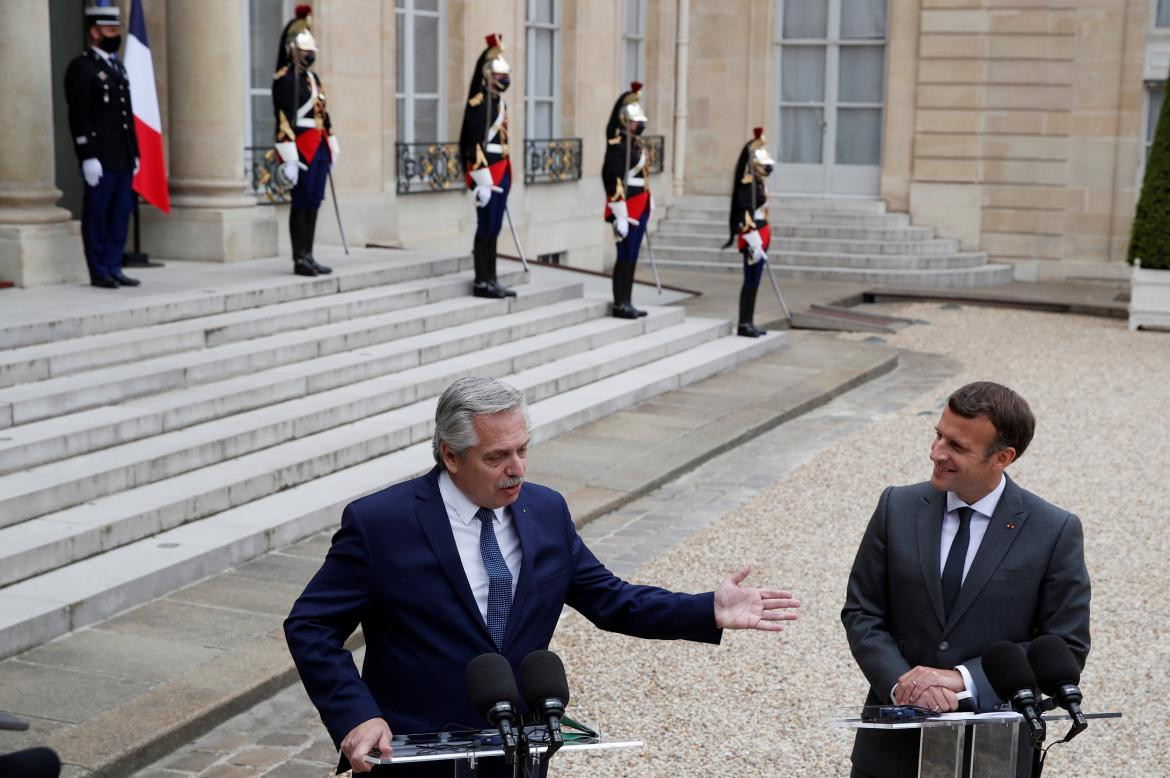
1018, 126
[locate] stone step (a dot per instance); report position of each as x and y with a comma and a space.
981, 275
369, 267
78, 433
783, 256
59, 485
817, 231
716, 218
56, 396
796, 202
65, 357
685, 209
168, 499
822, 245
45, 606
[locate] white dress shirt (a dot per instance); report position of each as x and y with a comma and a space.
982, 510
466, 528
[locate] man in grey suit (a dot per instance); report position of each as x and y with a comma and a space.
950, 566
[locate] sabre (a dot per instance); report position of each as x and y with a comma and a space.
515, 238
776, 287
337, 210
650, 251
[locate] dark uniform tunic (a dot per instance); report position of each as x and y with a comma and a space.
101, 122
486, 146
626, 181
749, 211
299, 107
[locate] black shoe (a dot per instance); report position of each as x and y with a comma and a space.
489, 290
303, 268
104, 283
322, 270
637, 311
124, 280
503, 289
624, 310
749, 330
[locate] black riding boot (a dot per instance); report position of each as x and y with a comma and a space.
296, 234
747, 309
623, 274
630, 290
506, 291
484, 285
310, 233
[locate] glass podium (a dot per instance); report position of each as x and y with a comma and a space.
990, 741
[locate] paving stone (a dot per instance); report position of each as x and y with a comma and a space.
299, 769
259, 756
282, 739
195, 624
321, 751
241, 593
228, 771
193, 761
52, 692
223, 741
130, 656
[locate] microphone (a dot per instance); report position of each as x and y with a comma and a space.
1010, 675
1059, 673
493, 691
31, 763
546, 690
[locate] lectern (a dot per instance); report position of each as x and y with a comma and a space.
994, 741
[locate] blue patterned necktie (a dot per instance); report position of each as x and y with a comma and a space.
499, 577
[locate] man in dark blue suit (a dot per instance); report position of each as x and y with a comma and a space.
101, 121
463, 561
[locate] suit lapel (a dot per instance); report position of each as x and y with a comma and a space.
996, 542
524, 519
930, 519
436, 526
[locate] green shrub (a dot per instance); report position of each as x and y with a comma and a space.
1150, 239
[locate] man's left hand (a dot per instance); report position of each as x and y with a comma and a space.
737, 607
913, 683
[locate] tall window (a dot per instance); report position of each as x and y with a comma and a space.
1155, 94
265, 18
1162, 13
633, 42
418, 39
542, 69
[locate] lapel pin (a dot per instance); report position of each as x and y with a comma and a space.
1011, 526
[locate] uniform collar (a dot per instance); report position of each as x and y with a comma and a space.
102, 54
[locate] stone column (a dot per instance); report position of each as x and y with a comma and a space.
682, 45
39, 243
212, 217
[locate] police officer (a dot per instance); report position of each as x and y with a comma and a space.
483, 147
628, 202
101, 122
748, 222
304, 136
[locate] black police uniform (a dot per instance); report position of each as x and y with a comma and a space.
101, 121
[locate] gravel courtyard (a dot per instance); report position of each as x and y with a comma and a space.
758, 704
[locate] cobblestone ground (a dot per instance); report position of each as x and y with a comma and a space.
794, 502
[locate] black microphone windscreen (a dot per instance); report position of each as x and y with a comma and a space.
542, 674
490, 680
31, 763
1007, 669
1054, 663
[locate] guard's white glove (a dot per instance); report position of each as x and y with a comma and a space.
137, 164
91, 170
292, 172
621, 218
334, 149
482, 178
756, 244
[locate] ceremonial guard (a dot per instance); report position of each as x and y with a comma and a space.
483, 148
628, 201
749, 224
101, 122
304, 136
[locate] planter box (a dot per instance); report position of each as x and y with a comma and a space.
1149, 298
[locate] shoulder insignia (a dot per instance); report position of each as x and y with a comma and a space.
476, 101
280, 73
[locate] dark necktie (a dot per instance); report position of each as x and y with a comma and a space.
499, 576
952, 576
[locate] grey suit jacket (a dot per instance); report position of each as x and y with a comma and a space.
1028, 579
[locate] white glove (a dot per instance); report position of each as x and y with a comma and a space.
756, 244
137, 164
482, 178
291, 172
621, 218
334, 148
91, 170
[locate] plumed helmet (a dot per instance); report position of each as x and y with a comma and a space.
297, 34
627, 113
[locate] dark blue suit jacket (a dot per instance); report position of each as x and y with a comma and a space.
394, 569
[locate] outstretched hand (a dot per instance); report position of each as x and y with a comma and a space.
737, 607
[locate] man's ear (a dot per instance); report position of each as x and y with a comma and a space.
450, 458
1004, 457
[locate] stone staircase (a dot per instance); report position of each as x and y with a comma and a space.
825, 240
148, 446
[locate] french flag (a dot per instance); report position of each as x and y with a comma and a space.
151, 181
